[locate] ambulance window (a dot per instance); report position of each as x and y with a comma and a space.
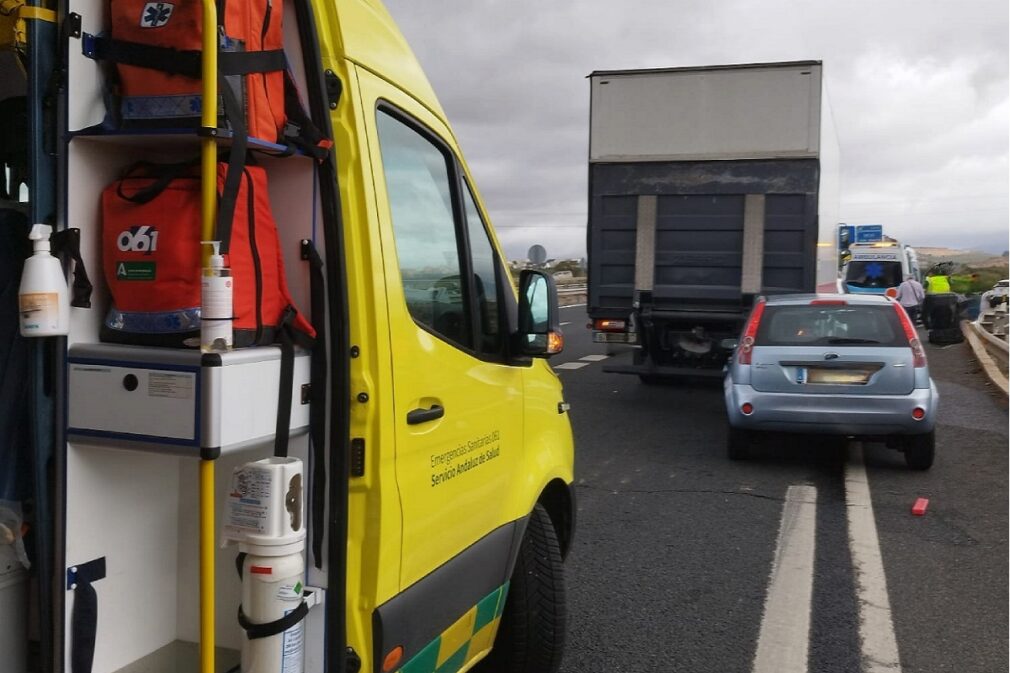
420, 200
485, 279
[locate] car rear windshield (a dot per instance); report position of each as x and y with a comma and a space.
873, 274
830, 325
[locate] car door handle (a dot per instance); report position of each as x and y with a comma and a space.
416, 416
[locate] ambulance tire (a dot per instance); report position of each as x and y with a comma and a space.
531, 635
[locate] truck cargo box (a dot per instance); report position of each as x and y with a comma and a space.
707, 187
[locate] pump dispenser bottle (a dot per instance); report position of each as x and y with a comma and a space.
216, 299
43, 297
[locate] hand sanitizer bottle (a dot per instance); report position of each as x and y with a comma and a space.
216, 298
43, 297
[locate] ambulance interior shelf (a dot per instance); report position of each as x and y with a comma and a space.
181, 402
181, 136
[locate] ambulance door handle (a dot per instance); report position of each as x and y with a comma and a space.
416, 416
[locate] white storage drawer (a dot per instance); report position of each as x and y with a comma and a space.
177, 401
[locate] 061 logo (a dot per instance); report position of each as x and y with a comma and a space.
156, 14
142, 238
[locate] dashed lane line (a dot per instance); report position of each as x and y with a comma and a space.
876, 627
785, 626
593, 358
571, 365
565, 323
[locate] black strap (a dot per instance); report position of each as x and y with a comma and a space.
83, 627
287, 382
66, 244
254, 631
235, 115
182, 62
162, 174
84, 619
301, 132
317, 400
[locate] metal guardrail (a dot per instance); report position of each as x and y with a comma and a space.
579, 288
991, 352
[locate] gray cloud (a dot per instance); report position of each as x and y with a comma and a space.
919, 90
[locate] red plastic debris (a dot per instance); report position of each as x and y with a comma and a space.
919, 508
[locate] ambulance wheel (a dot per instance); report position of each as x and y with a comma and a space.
920, 450
531, 636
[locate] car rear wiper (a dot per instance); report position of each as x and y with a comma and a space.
849, 340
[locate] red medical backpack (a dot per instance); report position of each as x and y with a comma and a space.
151, 256
157, 46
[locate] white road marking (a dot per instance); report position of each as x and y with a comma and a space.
571, 306
785, 626
876, 628
593, 358
565, 323
571, 365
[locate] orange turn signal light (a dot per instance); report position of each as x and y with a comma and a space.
555, 342
609, 325
891, 292
392, 659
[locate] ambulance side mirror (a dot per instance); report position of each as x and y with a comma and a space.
539, 333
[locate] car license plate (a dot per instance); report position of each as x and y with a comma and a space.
852, 377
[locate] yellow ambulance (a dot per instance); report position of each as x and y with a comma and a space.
438, 498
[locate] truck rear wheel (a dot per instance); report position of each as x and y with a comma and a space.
531, 636
919, 450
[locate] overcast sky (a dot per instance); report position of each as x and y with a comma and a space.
919, 91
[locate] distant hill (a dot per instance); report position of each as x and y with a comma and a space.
973, 258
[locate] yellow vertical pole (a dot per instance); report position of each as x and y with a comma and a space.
208, 174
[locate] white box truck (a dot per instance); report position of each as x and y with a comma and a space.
708, 186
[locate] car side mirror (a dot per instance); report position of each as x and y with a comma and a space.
539, 334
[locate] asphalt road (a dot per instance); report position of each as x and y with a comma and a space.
676, 545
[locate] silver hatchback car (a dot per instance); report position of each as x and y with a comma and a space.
847, 365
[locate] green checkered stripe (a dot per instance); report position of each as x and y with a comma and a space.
472, 633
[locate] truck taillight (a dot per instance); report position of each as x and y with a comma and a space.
918, 354
746, 347
609, 325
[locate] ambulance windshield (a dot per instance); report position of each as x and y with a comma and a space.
873, 273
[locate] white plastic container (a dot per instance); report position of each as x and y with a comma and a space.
264, 514
264, 511
272, 586
43, 297
216, 303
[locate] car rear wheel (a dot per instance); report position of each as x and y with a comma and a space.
531, 636
738, 444
919, 450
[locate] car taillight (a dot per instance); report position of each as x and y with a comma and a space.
918, 354
746, 347
609, 325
